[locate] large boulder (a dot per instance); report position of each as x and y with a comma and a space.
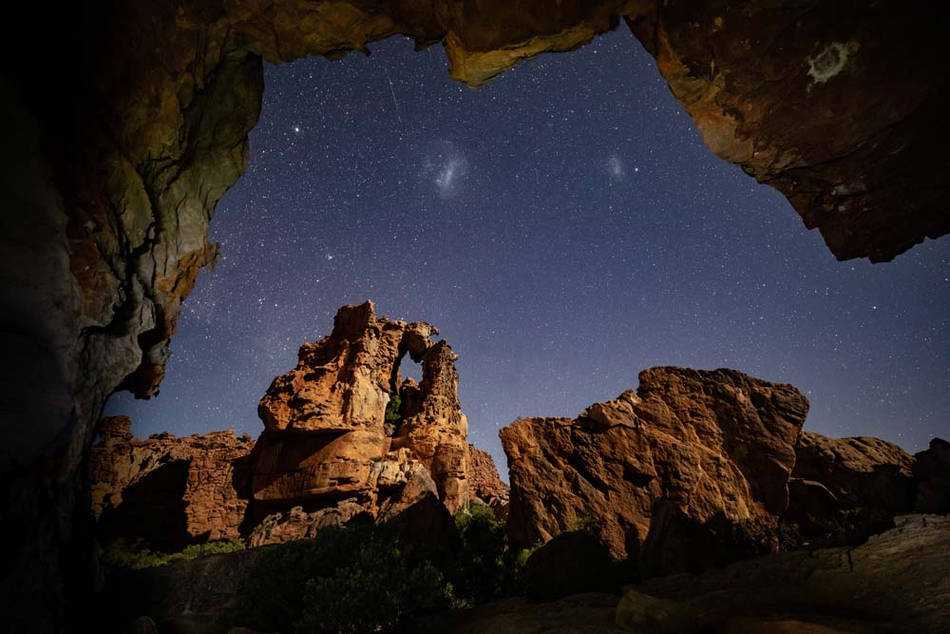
571, 563
845, 489
168, 491
690, 453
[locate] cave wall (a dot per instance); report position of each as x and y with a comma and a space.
129, 120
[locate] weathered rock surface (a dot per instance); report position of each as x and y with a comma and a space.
485, 483
689, 470
844, 489
821, 104
331, 449
327, 436
899, 581
169, 491
932, 472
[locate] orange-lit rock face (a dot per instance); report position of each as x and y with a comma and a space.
326, 434
486, 485
170, 491
689, 452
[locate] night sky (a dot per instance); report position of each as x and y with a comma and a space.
564, 227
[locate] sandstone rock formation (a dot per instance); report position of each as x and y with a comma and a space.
115, 169
689, 470
485, 483
328, 436
332, 448
169, 491
844, 489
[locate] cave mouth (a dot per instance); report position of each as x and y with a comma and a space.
563, 238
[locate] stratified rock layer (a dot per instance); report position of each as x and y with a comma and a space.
689, 470
328, 437
169, 491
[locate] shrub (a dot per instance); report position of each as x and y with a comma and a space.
375, 591
485, 569
392, 409
581, 523
350, 579
132, 555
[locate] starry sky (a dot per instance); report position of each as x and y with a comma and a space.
564, 226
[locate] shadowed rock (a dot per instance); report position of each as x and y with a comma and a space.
845, 489
169, 491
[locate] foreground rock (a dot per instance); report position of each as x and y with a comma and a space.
169, 491
899, 581
688, 471
896, 582
844, 489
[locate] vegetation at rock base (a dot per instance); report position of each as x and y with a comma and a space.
485, 569
132, 555
582, 523
350, 579
359, 579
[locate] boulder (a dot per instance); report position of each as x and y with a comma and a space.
168, 491
845, 489
571, 563
706, 452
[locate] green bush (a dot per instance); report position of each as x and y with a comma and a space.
392, 409
375, 591
132, 555
581, 523
350, 579
485, 569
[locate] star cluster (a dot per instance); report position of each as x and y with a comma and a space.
564, 227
